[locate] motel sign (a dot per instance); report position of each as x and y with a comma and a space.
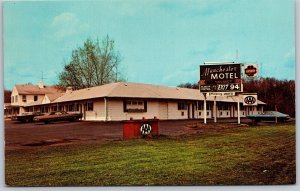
220, 78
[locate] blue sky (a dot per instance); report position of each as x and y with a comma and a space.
160, 42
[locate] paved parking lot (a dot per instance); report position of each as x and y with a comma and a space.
26, 135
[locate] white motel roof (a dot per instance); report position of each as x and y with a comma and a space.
139, 90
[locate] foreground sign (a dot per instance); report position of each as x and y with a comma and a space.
220, 78
249, 99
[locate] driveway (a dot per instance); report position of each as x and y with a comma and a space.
27, 135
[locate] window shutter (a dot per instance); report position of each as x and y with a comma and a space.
124, 106
145, 105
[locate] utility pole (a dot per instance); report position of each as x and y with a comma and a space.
43, 77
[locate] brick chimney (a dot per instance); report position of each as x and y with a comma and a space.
69, 89
41, 84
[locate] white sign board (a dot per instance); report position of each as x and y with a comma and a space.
249, 99
221, 93
251, 70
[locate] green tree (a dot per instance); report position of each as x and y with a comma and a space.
93, 64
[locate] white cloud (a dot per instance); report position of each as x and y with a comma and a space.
66, 25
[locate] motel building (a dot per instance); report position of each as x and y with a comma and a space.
125, 100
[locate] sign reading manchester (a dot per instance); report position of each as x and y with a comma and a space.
220, 78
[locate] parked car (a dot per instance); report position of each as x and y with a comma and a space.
269, 116
58, 116
26, 116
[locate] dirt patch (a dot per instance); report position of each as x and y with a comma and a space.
215, 125
49, 142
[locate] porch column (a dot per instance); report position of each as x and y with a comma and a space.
105, 109
215, 109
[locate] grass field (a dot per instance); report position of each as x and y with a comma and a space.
236, 156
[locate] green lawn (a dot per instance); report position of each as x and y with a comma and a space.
254, 155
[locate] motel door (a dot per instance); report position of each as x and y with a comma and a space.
188, 110
193, 111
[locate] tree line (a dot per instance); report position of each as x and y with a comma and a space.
274, 92
7, 94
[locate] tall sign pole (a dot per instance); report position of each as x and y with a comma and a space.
238, 109
205, 112
215, 109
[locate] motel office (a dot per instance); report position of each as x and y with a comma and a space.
124, 100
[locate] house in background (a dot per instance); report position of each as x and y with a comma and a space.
124, 100
26, 95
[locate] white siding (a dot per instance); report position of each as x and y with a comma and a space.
116, 111
201, 114
223, 113
46, 100
242, 113
98, 112
15, 93
163, 110
174, 113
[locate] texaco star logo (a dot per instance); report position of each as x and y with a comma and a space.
145, 129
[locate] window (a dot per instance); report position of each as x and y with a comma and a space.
182, 113
16, 98
61, 108
24, 98
199, 113
182, 106
207, 113
135, 106
71, 107
208, 106
35, 98
54, 108
76, 107
89, 106
226, 107
221, 113
227, 113
200, 106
